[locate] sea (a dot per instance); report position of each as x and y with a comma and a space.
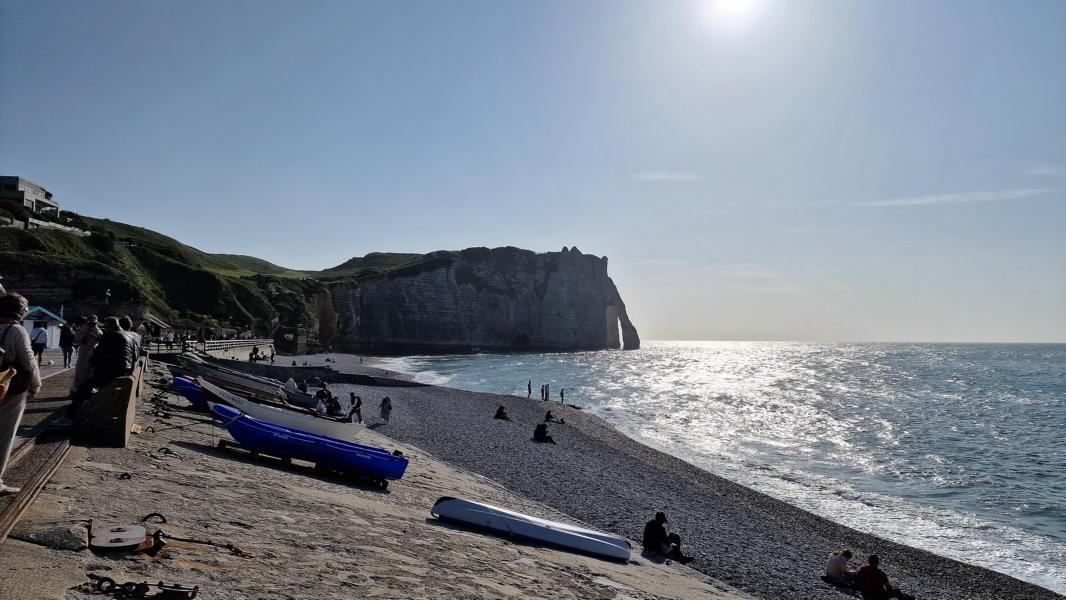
959, 449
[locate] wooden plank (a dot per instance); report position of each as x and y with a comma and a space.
13, 512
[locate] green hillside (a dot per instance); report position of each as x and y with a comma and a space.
180, 284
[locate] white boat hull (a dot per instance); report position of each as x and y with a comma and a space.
507, 522
300, 421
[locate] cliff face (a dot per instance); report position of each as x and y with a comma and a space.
499, 299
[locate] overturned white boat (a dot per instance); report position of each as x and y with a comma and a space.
259, 386
341, 428
510, 523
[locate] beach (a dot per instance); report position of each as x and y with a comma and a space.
301, 535
598, 475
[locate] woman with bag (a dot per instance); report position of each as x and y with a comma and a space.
16, 354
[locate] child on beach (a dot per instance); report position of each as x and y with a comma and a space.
386, 408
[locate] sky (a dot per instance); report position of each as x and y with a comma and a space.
754, 169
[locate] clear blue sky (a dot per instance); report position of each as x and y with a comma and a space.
754, 169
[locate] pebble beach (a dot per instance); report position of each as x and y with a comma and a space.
761, 545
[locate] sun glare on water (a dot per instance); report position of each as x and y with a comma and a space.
730, 14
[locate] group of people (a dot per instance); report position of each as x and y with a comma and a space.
105, 352
329, 404
545, 392
540, 430
869, 579
257, 354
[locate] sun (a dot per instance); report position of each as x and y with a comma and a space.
730, 13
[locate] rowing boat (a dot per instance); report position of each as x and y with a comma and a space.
515, 524
291, 417
325, 452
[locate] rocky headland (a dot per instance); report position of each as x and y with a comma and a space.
480, 299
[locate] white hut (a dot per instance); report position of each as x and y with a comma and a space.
37, 316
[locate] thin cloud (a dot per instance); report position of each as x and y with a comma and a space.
962, 197
668, 176
1046, 170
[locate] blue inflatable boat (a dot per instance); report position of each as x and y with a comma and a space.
325, 452
192, 392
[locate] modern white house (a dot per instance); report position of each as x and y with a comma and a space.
37, 316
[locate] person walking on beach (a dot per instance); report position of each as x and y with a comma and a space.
562, 395
657, 540
529, 388
86, 339
873, 584
356, 404
386, 408
15, 352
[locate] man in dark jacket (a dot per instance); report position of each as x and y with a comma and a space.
115, 356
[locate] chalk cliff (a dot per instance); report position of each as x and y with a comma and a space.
479, 298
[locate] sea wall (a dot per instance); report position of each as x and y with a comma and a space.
481, 299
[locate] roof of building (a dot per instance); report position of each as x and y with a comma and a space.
156, 321
45, 313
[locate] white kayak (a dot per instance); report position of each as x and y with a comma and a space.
300, 420
507, 522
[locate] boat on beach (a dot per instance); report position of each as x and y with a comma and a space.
515, 524
327, 453
341, 428
250, 384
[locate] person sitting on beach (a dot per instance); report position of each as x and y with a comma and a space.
386, 408
540, 434
657, 540
550, 418
356, 409
501, 413
873, 584
837, 570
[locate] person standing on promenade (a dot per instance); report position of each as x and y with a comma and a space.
66, 342
39, 341
15, 351
873, 584
386, 408
529, 389
86, 339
